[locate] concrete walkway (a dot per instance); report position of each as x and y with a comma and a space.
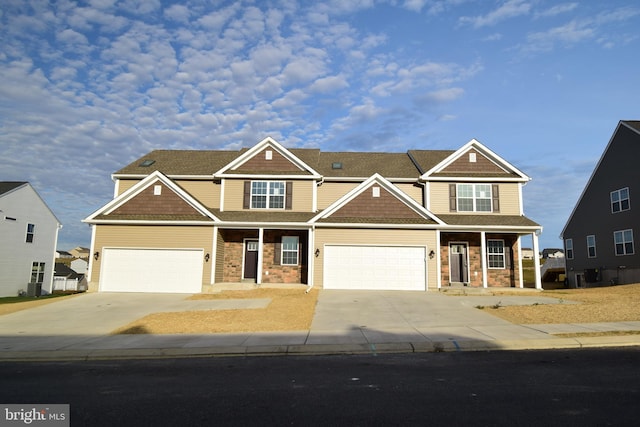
78, 328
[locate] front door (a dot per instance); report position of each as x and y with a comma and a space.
250, 259
459, 271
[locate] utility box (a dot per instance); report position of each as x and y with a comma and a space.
34, 289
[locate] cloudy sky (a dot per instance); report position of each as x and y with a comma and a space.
87, 87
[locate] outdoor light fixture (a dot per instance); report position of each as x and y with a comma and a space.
96, 255
431, 254
206, 258
317, 252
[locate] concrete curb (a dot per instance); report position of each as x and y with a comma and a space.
319, 349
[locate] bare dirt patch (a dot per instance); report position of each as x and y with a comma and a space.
289, 310
606, 304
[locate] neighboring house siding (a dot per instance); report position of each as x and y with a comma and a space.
381, 237
593, 215
24, 206
151, 236
329, 192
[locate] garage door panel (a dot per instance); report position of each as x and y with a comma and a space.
151, 270
375, 267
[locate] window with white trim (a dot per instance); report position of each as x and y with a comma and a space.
37, 272
31, 230
289, 250
623, 242
591, 246
267, 194
474, 197
495, 253
568, 248
620, 200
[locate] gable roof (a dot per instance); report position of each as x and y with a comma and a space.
421, 214
493, 166
7, 186
634, 126
199, 211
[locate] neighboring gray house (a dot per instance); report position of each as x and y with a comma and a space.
28, 237
600, 235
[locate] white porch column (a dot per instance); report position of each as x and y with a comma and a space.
483, 258
521, 277
260, 256
213, 254
311, 256
536, 261
438, 260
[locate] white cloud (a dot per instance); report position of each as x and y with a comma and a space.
178, 13
509, 9
556, 10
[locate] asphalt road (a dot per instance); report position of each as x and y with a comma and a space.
550, 388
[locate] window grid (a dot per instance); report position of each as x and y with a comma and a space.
623, 242
591, 246
37, 272
265, 194
620, 200
495, 253
474, 198
31, 228
289, 250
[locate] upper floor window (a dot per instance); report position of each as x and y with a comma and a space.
591, 246
31, 228
267, 194
474, 197
624, 242
568, 248
620, 200
495, 252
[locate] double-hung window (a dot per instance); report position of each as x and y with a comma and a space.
289, 250
568, 247
624, 242
31, 229
495, 252
620, 200
591, 246
37, 272
474, 197
267, 194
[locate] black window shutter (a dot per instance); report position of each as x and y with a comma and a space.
496, 197
288, 203
452, 198
277, 249
507, 257
246, 201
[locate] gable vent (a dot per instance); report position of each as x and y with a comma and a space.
336, 165
147, 163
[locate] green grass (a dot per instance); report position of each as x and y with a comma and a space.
13, 300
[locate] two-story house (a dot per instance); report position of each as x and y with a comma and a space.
181, 221
599, 236
28, 238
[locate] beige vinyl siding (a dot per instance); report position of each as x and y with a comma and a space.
302, 195
125, 184
206, 192
413, 191
509, 198
219, 258
385, 237
329, 192
151, 237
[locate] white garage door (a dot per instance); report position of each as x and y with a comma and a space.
375, 267
151, 270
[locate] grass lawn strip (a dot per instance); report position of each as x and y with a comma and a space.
12, 304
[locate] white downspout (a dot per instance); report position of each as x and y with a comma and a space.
260, 256
310, 258
483, 258
521, 278
536, 261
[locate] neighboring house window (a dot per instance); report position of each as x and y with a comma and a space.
37, 272
289, 250
624, 242
267, 194
591, 246
569, 248
495, 252
620, 200
30, 232
474, 198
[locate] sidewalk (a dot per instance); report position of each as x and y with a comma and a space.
345, 323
